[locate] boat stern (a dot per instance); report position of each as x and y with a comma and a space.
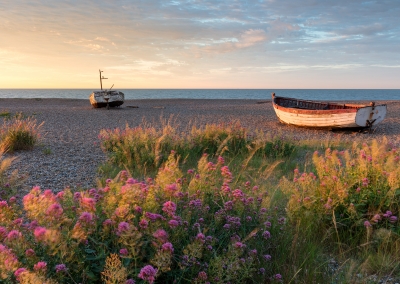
370, 116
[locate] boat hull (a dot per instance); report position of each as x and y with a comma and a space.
338, 116
98, 99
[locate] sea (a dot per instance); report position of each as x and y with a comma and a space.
257, 94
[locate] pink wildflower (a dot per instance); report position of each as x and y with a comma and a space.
3, 233
388, 214
267, 257
171, 188
14, 235
18, 272
123, 252
266, 235
393, 219
376, 218
77, 195
153, 216
30, 252
239, 245
60, 195
173, 223
40, 266
148, 273
61, 268
131, 181
169, 207
211, 166
237, 193
32, 225
202, 276
18, 222
88, 203
161, 235
55, 210
167, 247
122, 228
200, 237
143, 224
197, 203
86, 217
130, 281
367, 224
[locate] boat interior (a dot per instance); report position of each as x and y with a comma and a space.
105, 92
301, 104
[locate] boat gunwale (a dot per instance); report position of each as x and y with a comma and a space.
353, 107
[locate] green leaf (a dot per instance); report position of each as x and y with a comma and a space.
89, 251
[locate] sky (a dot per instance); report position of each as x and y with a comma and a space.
264, 44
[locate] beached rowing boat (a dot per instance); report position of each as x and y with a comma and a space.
326, 114
104, 98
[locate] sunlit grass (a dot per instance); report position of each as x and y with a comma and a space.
19, 133
214, 204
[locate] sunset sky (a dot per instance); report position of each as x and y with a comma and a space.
200, 43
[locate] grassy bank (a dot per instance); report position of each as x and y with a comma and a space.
216, 204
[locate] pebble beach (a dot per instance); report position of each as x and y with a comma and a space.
69, 153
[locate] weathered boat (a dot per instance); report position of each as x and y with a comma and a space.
104, 98
326, 114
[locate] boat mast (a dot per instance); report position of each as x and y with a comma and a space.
101, 78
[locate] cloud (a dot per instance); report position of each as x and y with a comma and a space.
251, 37
198, 36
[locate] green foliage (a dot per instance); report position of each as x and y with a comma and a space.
5, 114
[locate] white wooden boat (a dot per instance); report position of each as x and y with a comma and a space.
327, 115
105, 98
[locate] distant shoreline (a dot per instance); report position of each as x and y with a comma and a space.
257, 94
191, 99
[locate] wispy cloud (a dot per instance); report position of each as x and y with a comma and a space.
178, 38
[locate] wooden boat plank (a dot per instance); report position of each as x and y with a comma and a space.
317, 121
330, 115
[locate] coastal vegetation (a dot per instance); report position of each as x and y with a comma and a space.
216, 204
18, 132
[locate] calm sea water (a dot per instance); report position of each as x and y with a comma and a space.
258, 94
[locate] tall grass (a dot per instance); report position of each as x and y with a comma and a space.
142, 150
8, 181
354, 198
19, 133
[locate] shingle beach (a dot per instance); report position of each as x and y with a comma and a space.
69, 152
